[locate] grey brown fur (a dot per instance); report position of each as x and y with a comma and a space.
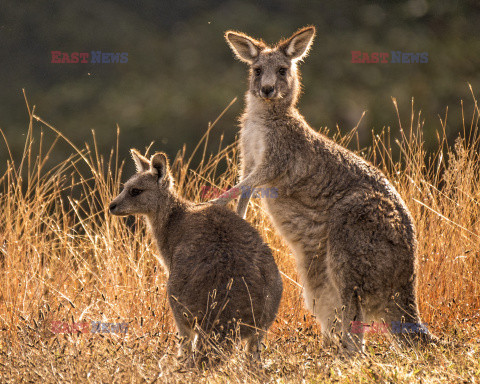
350, 231
219, 269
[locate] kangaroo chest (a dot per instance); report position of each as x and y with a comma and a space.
253, 140
299, 217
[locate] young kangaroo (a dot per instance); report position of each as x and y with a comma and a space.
350, 231
221, 275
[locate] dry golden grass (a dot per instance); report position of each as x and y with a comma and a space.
63, 257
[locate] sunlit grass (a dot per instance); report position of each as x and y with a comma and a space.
63, 257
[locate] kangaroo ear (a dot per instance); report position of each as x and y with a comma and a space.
159, 165
245, 48
298, 45
142, 164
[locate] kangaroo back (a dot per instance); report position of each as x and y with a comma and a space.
222, 278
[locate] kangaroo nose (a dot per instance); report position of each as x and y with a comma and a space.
112, 207
267, 90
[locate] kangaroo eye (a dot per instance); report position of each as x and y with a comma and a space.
257, 71
135, 192
282, 71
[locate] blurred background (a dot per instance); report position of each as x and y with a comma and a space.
181, 74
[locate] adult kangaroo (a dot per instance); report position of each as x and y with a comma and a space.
350, 231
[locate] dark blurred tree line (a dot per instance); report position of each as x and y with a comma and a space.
180, 73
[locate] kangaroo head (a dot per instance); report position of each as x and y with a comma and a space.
145, 192
273, 70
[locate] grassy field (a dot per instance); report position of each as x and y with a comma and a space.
63, 257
